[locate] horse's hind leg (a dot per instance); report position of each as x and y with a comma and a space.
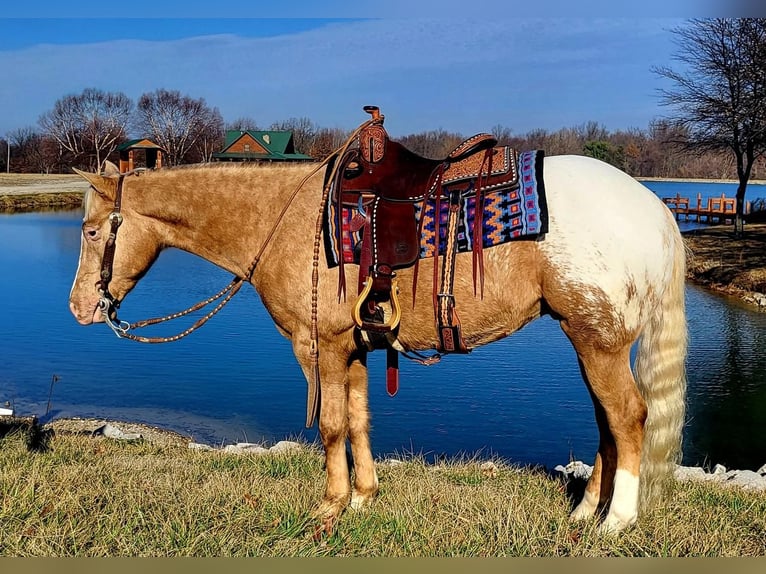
365, 477
621, 413
599, 486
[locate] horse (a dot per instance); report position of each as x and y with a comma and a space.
610, 270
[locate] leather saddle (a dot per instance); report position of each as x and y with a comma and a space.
389, 185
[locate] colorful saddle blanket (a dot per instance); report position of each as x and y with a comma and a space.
513, 212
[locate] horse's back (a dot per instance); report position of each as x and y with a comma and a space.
611, 242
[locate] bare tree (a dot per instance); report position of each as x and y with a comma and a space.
592, 131
243, 124
211, 136
721, 96
89, 124
5, 155
26, 145
435, 144
34, 152
177, 123
326, 141
538, 139
503, 134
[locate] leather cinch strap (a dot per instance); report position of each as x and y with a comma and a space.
448, 324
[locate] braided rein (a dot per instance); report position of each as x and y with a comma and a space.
108, 304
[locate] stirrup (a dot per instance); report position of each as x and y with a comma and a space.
396, 311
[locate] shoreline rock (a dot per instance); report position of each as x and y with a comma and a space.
248, 447
575, 470
745, 479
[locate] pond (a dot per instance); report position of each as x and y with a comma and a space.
236, 379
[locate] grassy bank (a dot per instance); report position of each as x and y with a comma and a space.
34, 192
25, 202
90, 496
725, 263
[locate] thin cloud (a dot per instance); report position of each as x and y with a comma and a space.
424, 71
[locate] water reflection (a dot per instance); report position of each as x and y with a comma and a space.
727, 383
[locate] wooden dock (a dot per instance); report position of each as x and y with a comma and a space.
712, 209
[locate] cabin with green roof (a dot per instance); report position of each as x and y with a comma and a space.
254, 145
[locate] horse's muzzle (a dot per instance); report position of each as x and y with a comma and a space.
86, 316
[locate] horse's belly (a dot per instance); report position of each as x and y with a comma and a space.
509, 299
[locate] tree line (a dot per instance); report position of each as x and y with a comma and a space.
652, 152
83, 130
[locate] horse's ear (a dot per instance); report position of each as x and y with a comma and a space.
104, 186
110, 169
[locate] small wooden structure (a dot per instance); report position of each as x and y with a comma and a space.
714, 208
128, 149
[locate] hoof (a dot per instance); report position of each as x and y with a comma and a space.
579, 514
586, 509
613, 525
324, 528
326, 516
329, 509
360, 501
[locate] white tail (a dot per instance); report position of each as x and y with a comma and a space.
661, 376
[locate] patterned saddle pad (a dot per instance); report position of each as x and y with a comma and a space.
512, 211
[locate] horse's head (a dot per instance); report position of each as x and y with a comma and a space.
135, 246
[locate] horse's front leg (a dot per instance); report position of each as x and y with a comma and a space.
333, 424
365, 477
333, 430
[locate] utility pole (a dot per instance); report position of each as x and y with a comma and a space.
8, 160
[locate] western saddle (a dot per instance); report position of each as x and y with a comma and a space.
388, 186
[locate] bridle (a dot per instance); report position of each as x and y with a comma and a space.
107, 304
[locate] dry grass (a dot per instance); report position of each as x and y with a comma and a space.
18, 179
97, 497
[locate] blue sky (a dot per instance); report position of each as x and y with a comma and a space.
464, 75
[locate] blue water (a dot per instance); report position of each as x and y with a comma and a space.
690, 189
235, 379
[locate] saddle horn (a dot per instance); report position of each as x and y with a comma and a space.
374, 111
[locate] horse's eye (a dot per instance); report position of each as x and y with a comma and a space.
90, 233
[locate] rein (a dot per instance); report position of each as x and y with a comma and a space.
108, 305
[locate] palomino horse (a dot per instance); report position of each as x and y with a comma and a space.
610, 269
